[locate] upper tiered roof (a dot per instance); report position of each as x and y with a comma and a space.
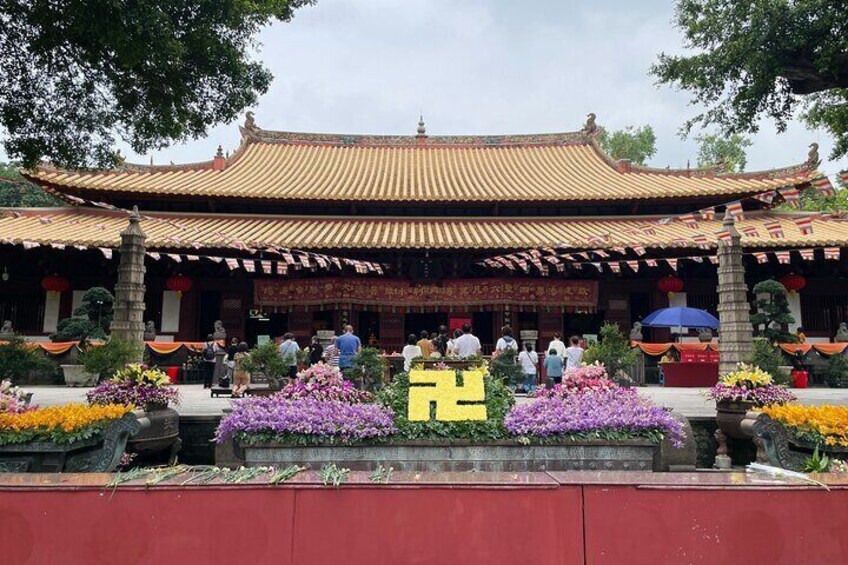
275, 166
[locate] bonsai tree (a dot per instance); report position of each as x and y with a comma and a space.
368, 369
772, 316
107, 359
613, 351
836, 374
266, 359
769, 358
91, 318
17, 360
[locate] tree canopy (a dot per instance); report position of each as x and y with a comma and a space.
77, 75
638, 144
753, 59
726, 152
15, 191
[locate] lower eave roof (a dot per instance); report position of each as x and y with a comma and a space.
172, 231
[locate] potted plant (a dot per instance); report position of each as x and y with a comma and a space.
613, 351
836, 374
768, 357
150, 390
369, 369
104, 361
741, 390
265, 360
772, 316
22, 363
90, 321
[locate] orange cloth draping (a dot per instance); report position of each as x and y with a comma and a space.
195, 346
58, 348
694, 346
793, 348
652, 349
830, 348
163, 347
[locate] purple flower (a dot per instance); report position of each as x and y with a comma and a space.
617, 413
759, 396
141, 395
323, 382
308, 420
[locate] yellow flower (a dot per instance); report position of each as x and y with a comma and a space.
826, 421
67, 418
748, 375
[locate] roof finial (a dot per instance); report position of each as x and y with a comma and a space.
220, 153
813, 160
590, 126
421, 129
250, 122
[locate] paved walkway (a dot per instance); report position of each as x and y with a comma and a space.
687, 401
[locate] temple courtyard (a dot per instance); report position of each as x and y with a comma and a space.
690, 402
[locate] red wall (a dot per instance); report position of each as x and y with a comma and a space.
541, 522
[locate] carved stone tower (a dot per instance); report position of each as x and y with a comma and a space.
735, 332
127, 323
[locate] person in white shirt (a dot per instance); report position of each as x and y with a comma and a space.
410, 351
506, 341
529, 360
557, 345
467, 345
452, 342
574, 354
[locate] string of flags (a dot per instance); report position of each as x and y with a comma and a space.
634, 265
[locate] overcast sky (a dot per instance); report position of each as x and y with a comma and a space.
480, 67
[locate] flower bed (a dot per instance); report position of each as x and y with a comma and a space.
817, 425
59, 424
749, 383
614, 415
138, 385
323, 382
307, 421
588, 378
12, 398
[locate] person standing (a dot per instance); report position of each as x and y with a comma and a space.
529, 361
574, 354
506, 341
231, 355
241, 378
288, 351
467, 345
410, 351
556, 343
209, 353
426, 345
442, 340
316, 351
452, 342
331, 353
349, 345
553, 366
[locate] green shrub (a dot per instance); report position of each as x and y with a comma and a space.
772, 312
266, 359
90, 320
613, 351
769, 358
17, 360
505, 368
105, 360
836, 374
368, 369
499, 400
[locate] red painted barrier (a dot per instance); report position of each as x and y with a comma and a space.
537, 518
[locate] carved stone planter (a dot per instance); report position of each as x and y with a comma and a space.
94, 455
161, 439
75, 375
632, 455
777, 446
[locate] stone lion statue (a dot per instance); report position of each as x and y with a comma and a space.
219, 332
150, 331
636, 332
6, 330
842, 333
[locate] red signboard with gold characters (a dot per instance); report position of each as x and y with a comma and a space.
571, 294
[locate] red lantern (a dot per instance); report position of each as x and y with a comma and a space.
55, 283
179, 284
793, 282
670, 284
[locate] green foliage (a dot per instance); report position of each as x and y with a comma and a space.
381, 474
499, 400
107, 359
17, 360
368, 369
836, 374
613, 351
769, 358
817, 463
333, 475
812, 199
772, 314
727, 152
506, 368
75, 75
636, 144
266, 359
747, 60
20, 193
90, 320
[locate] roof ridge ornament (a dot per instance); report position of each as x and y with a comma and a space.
590, 127
813, 159
422, 131
250, 122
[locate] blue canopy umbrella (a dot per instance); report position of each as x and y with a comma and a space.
680, 316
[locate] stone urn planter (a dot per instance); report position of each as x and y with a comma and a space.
75, 375
99, 454
505, 456
729, 417
160, 440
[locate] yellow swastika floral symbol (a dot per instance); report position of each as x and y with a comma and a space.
440, 387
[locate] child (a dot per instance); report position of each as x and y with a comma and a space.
529, 360
242, 377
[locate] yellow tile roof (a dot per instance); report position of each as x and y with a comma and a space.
285, 166
97, 228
